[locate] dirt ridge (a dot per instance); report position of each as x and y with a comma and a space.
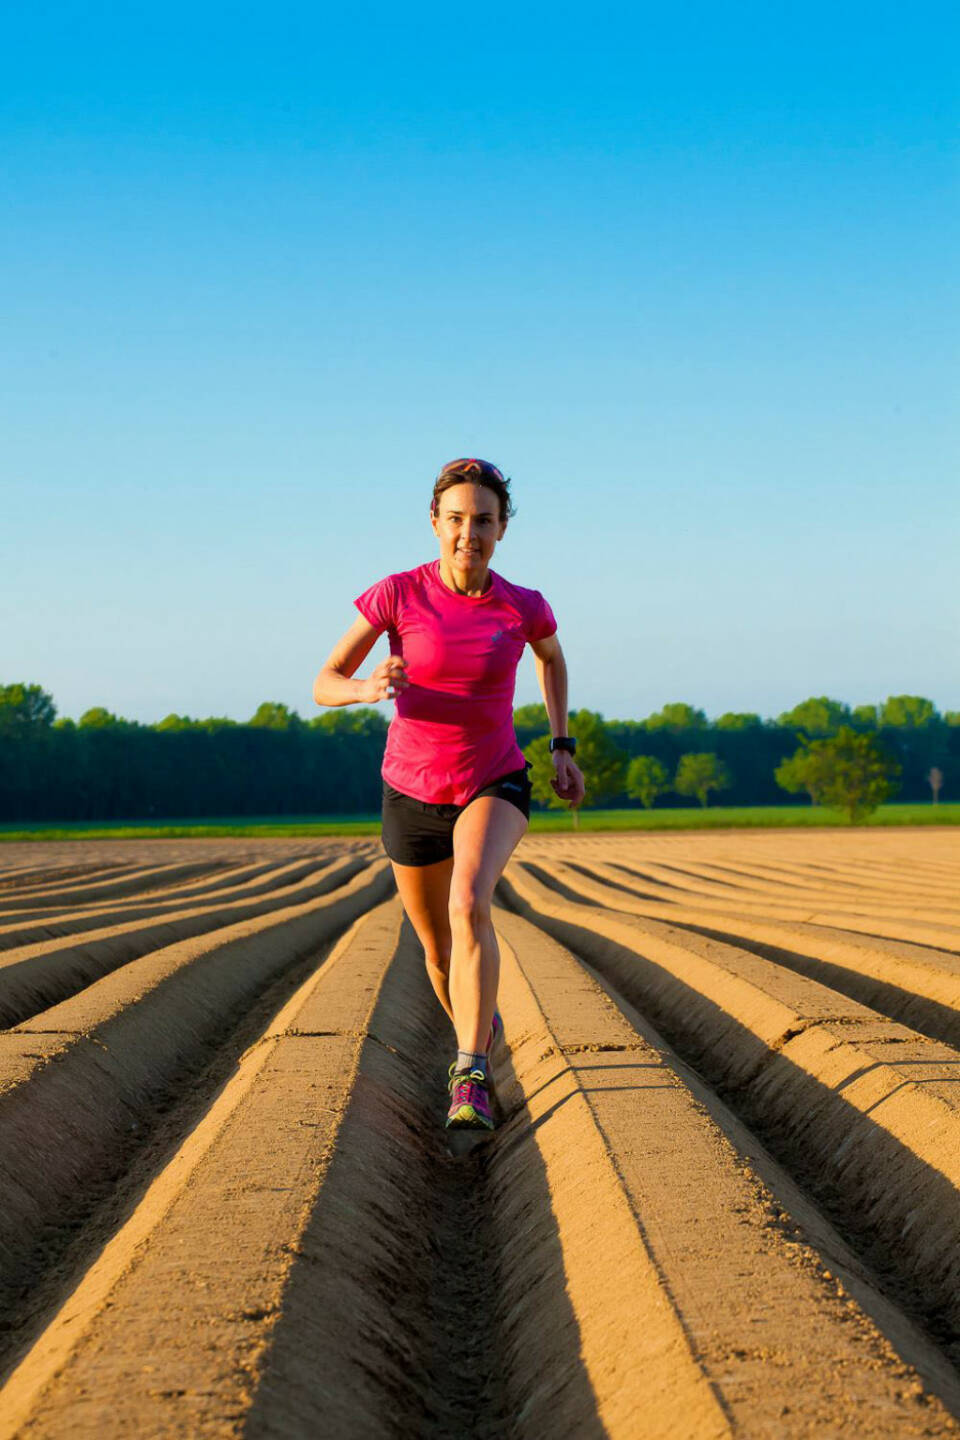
38, 976
78, 1090
837, 1087
297, 1247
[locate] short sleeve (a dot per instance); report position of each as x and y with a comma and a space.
540, 618
378, 605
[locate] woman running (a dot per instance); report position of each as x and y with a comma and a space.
456, 796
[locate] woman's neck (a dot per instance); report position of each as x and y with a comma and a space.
472, 583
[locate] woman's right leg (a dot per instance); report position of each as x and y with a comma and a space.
425, 896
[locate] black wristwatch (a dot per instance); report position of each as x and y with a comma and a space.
563, 742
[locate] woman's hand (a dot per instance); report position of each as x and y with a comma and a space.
568, 781
387, 680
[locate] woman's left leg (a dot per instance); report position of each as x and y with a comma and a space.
425, 895
484, 837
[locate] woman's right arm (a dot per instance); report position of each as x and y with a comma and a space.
335, 684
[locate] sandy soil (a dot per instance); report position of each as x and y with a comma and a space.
724, 1198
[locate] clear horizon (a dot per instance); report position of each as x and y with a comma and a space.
690, 279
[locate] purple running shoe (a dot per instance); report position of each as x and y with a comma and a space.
469, 1101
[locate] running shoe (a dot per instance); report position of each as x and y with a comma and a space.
469, 1100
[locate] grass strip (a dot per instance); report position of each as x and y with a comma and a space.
723, 817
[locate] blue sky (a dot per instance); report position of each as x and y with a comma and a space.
687, 274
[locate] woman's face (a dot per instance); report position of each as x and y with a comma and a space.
468, 526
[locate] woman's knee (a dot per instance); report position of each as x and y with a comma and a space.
470, 906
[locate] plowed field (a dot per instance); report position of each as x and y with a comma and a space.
724, 1198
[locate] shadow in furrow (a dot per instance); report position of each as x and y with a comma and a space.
922, 1013
630, 890
546, 877
929, 1017
132, 880
34, 984
74, 1130
31, 926
908, 1234
421, 1301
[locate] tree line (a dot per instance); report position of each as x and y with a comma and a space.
103, 767
848, 771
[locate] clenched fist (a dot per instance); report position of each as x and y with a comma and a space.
568, 782
387, 680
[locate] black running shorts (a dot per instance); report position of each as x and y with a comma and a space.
417, 833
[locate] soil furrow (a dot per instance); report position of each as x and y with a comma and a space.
918, 986
23, 876
758, 880
306, 1251
80, 1092
854, 911
750, 1290
142, 878
245, 884
861, 881
121, 1356
865, 1110
35, 977
472, 1324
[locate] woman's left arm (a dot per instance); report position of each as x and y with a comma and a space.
568, 781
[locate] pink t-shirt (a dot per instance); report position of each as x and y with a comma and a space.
453, 729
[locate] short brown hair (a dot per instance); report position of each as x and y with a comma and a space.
475, 472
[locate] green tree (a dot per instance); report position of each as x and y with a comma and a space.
542, 772
351, 720
737, 720
847, 772
952, 717
647, 778
173, 721
808, 768
273, 716
698, 774
99, 718
864, 717
864, 775
908, 712
24, 707
603, 763
531, 717
677, 716
817, 716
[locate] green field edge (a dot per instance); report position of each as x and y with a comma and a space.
756, 817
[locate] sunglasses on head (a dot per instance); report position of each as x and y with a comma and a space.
469, 467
